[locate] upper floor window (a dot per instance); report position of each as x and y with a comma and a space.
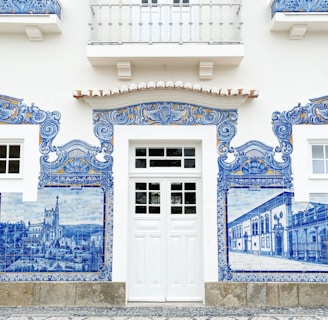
149, 2
155, 2
10, 158
267, 223
181, 2
262, 225
255, 227
319, 158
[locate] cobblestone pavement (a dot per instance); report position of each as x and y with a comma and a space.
163, 313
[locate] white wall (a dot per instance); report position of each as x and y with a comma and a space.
284, 71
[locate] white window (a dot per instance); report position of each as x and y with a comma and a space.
149, 2
319, 158
165, 21
181, 2
10, 159
255, 227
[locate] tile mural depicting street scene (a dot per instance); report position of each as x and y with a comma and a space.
268, 231
62, 232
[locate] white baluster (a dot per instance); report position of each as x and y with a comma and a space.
171, 22
92, 23
100, 14
191, 22
160, 22
231, 23
200, 22
150, 39
120, 23
239, 23
221, 23
210, 40
110, 23
140, 22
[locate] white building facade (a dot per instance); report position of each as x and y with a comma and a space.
176, 138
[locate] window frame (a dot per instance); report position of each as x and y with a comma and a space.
166, 145
324, 144
8, 143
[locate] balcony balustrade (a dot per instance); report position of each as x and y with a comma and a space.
299, 16
211, 22
165, 30
34, 17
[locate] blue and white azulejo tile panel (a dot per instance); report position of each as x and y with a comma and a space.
263, 235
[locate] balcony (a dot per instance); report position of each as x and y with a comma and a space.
33, 17
299, 17
202, 34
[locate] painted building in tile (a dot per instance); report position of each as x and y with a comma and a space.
163, 151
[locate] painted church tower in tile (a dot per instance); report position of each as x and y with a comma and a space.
52, 229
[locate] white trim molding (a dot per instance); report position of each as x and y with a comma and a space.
154, 91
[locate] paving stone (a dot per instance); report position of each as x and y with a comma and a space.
162, 313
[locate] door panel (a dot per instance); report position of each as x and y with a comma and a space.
147, 268
184, 280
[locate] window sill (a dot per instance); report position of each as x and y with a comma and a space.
318, 177
11, 177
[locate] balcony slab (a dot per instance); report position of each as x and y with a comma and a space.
100, 55
297, 24
24, 23
165, 53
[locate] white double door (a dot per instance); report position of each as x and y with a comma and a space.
165, 247
165, 21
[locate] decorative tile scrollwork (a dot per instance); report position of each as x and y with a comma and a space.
164, 113
76, 164
254, 164
30, 7
173, 113
300, 5
14, 111
313, 113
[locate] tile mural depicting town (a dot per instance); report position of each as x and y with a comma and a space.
268, 231
62, 232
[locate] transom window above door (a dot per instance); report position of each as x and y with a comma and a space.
165, 157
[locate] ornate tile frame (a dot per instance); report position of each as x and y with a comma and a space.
254, 165
76, 165
249, 171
